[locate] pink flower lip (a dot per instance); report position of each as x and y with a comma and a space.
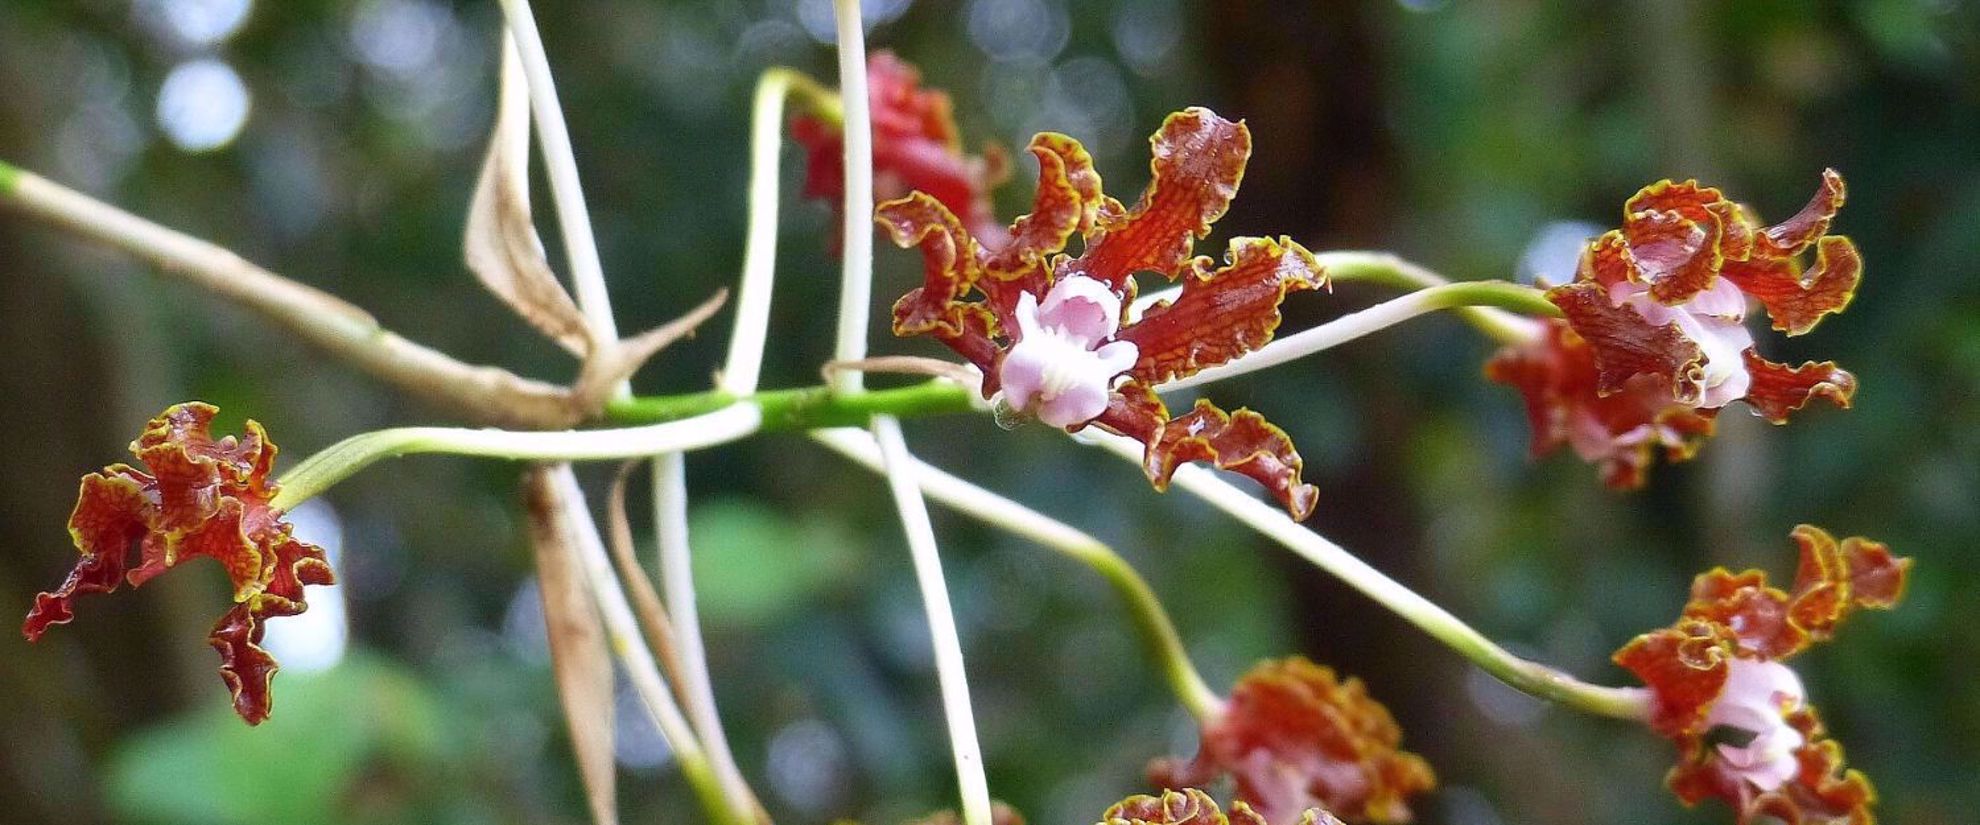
1758, 696
1059, 366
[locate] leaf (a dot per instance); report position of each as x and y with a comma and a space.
579, 653
327, 749
501, 245
755, 565
653, 616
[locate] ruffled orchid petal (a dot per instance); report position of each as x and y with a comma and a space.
1199, 159
1674, 235
1222, 313
1295, 737
1811, 224
1185, 807
1068, 200
204, 497
1720, 667
1556, 375
949, 264
1778, 390
1242, 442
1190, 806
1626, 345
1796, 303
1712, 321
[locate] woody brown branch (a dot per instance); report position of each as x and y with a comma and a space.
481, 393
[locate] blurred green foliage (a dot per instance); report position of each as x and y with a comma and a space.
1450, 132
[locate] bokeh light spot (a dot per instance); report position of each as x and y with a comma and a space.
202, 105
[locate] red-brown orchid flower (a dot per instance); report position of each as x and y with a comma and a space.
201, 498
1295, 737
1053, 332
1194, 807
1744, 730
915, 148
1655, 341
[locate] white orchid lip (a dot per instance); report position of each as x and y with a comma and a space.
1757, 699
1058, 367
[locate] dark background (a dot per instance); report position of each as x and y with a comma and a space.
1453, 133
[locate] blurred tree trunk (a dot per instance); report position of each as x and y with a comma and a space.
1308, 79
55, 386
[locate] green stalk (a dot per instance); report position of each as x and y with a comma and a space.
1462, 295
1527, 676
1392, 271
345, 458
1151, 621
804, 408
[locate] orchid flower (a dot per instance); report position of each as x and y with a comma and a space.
203, 497
1049, 329
1721, 689
1295, 737
916, 147
1655, 341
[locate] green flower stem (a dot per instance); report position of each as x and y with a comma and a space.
856, 228
817, 99
343, 459
560, 164
670, 517
1384, 269
805, 408
8, 176
1527, 676
900, 467
1158, 634
1464, 295
628, 645
766, 128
